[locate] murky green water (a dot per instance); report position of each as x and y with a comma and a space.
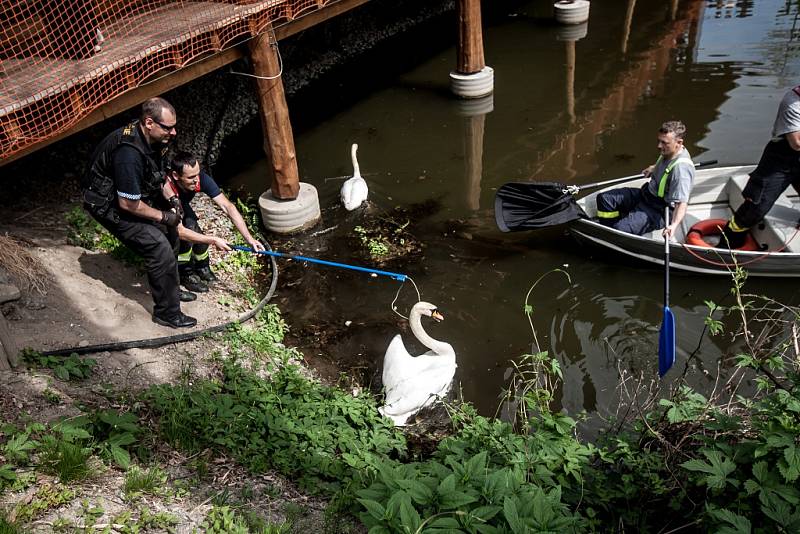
563, 109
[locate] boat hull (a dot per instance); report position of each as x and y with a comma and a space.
686, 257
716, 194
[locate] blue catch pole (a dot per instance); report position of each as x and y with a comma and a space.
396, 276
666, 336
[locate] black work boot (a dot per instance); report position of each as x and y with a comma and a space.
205, 272
179, 320
192, 282
187, 296
731, 239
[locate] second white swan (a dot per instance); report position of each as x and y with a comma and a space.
414, 382
354, 190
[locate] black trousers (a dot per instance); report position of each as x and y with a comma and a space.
631, 210
156, 244
777, 169
192, 249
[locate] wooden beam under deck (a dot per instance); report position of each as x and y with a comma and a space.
186, 74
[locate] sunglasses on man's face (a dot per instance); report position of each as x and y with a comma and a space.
164, 126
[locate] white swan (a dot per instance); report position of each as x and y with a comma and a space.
354, 190
414, 382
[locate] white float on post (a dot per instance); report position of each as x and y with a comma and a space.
571, 11
475, 85
290, 216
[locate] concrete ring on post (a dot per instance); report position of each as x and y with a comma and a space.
474, 85
290, 216
571, 11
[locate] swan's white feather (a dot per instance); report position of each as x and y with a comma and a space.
414, 382
354, 190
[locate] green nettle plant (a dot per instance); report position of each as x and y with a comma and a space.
71, 367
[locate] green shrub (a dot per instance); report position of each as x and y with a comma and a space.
319, 435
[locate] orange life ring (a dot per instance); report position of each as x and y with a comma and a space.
711, 227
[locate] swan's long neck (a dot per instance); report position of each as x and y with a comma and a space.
436, 346
353, 150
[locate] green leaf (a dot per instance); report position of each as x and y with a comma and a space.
395, 503
421, 493
718, 469
448, 485
791, 469
120, 456
408, 516
512, 516
456, 499
7, 473
476, 464
778, 510
739, 524
444, 522
375, 509
61, 372
485, 513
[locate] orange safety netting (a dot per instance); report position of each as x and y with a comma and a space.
61, 59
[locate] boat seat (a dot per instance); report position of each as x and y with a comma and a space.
779, 225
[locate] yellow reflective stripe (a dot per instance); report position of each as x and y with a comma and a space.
186, 257
735, 227
662, 185
607, 214
201, 257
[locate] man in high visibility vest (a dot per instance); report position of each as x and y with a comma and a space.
184, 180
777, 169
641, 210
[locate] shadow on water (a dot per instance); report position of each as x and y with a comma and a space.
577, 112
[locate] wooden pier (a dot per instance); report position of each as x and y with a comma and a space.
45, 96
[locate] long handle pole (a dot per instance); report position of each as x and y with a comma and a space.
633, 177
666, 259
396, 276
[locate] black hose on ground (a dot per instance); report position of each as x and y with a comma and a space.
178, 338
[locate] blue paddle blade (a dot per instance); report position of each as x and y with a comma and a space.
666, 343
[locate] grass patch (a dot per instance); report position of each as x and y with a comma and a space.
68, 461
138, 481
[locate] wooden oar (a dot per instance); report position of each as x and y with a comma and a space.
666, 337
531, 205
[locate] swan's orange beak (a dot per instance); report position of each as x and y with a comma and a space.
436, 316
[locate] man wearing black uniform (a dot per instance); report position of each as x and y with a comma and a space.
123, 191
185, 179
778, 168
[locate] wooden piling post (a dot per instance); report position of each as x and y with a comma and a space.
470, 37
471, 78
278, 137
